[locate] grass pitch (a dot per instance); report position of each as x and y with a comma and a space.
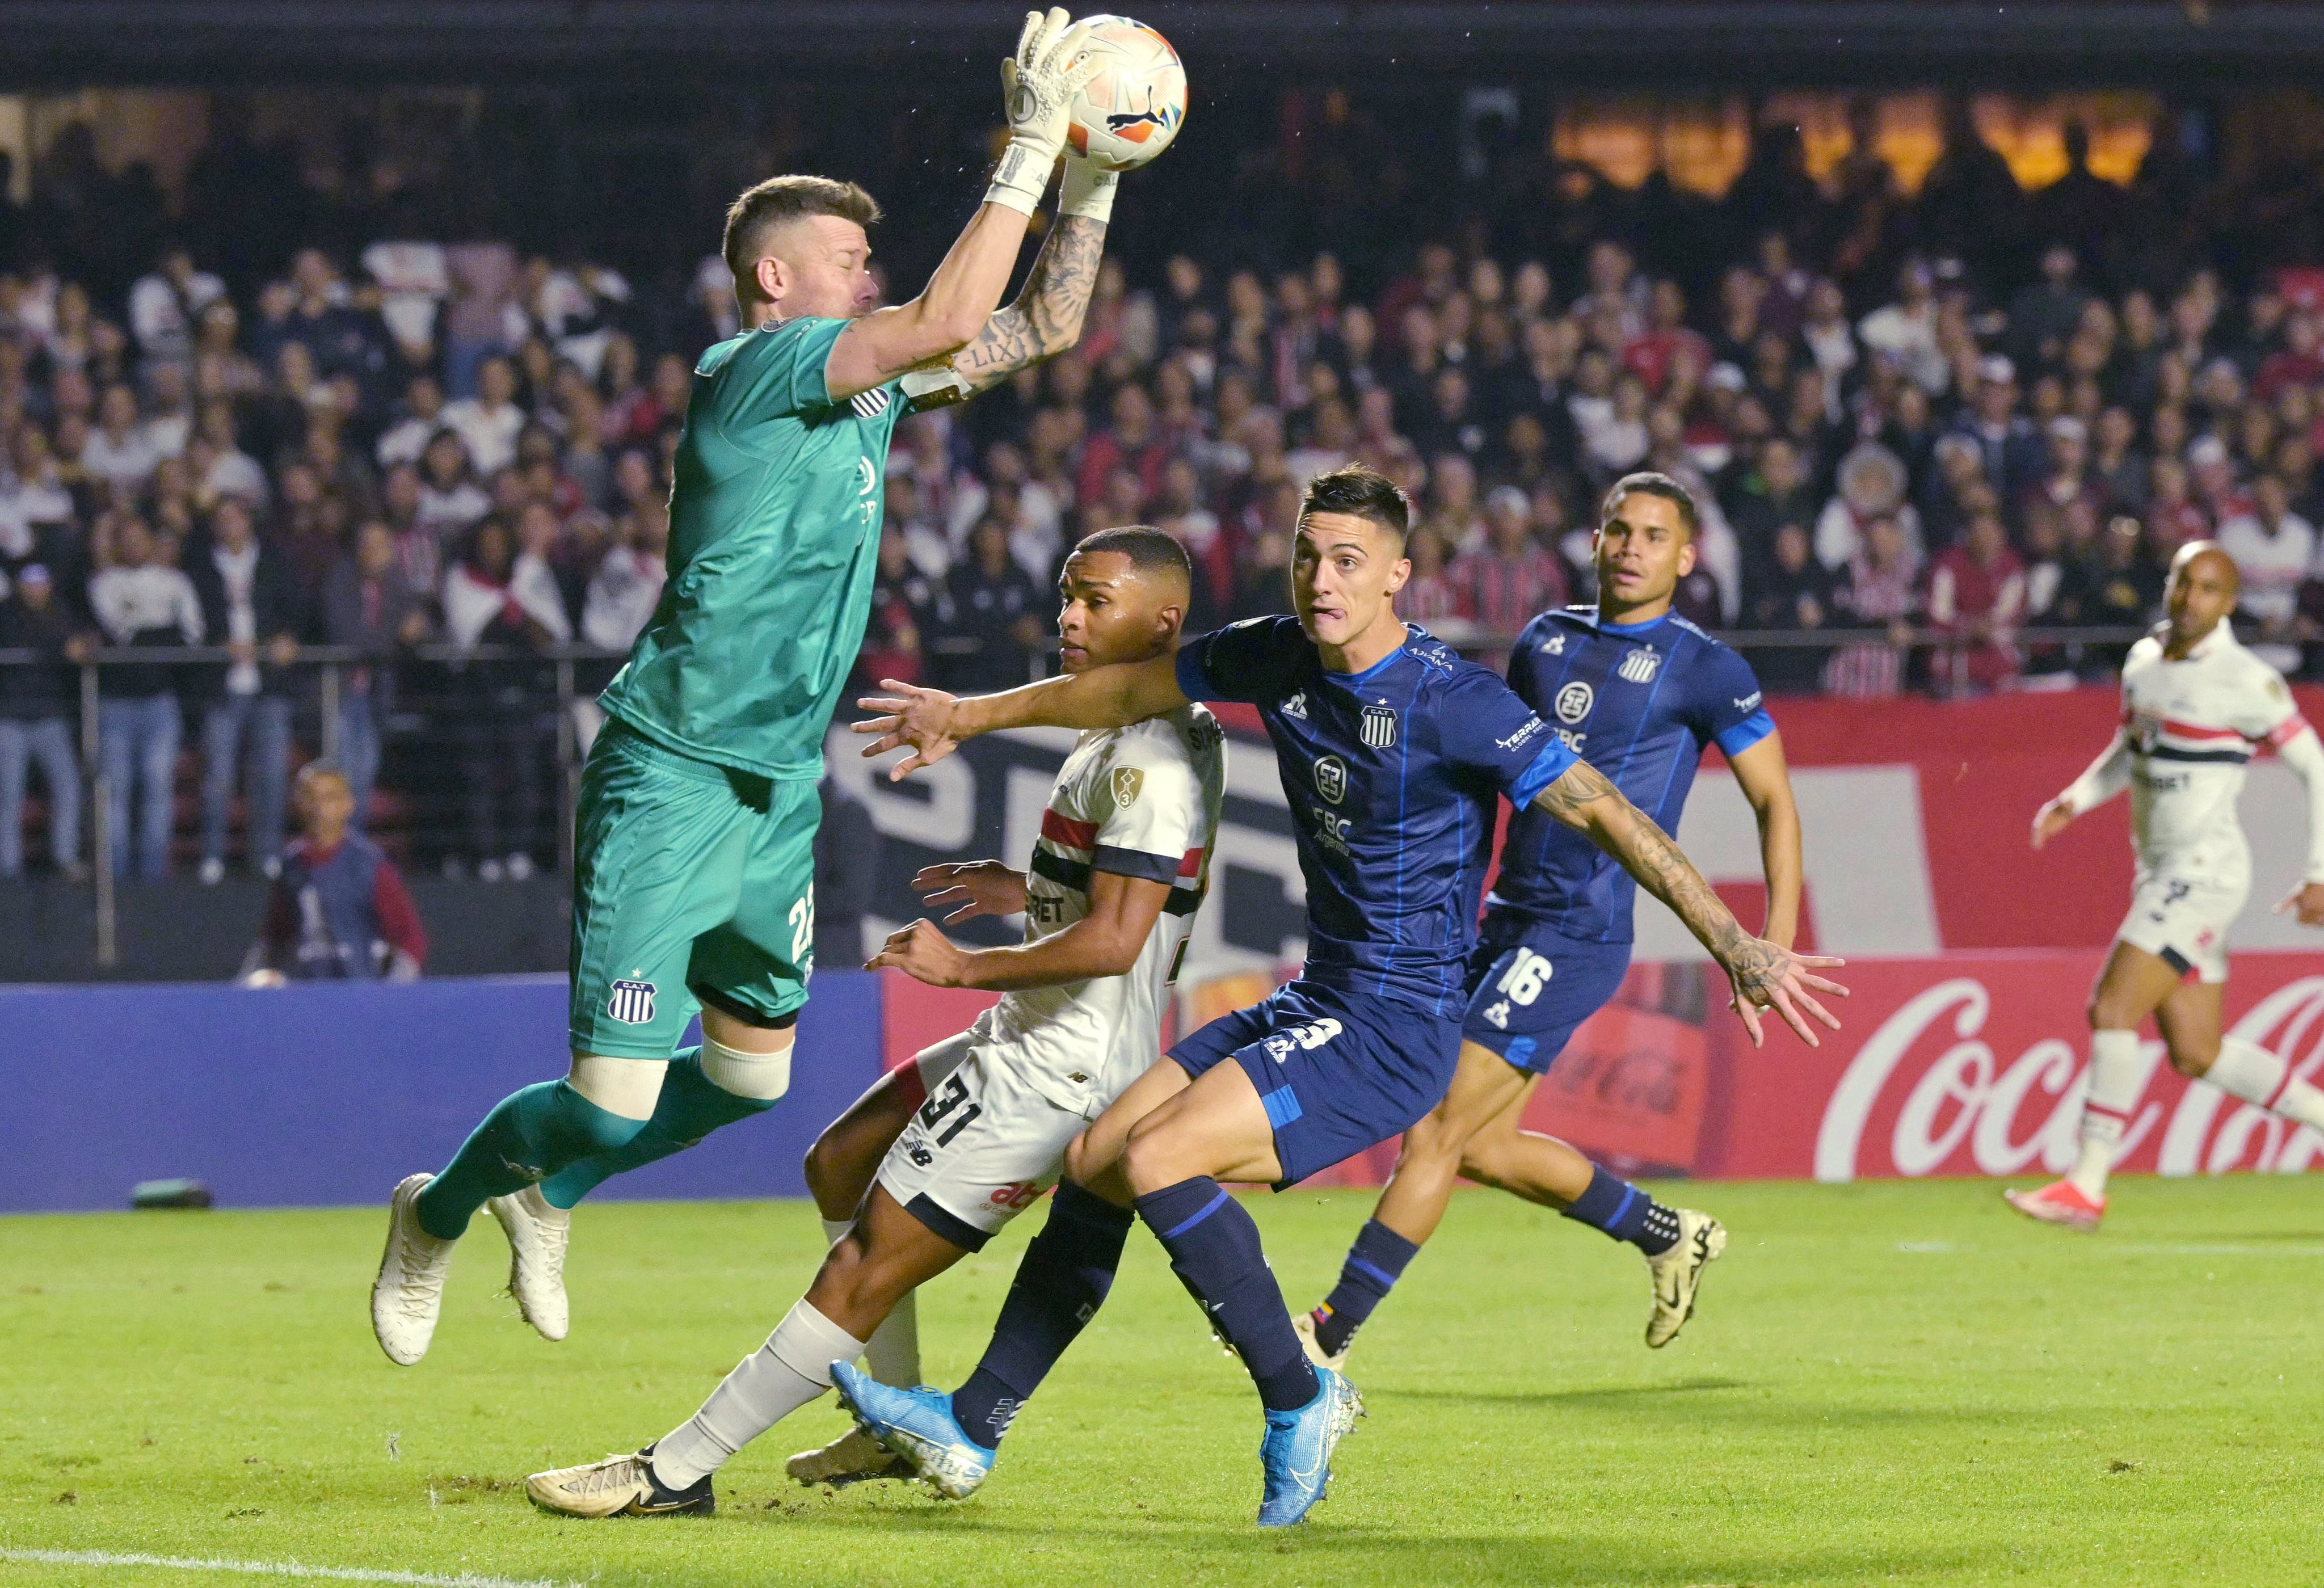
1883, 1382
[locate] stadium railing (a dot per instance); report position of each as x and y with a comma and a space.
424, 724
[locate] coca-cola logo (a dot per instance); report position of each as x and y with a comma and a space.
1964, 1110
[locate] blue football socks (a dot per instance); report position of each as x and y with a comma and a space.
1214, 1249
1374, 1264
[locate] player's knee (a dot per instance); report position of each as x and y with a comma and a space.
1433, 1140
758, 1079
1149, 1159
823, 1170
592, 1127
2193, 1057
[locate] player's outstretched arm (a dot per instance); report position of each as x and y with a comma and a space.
2305, 757
1038, 83
1044, 322
1765, 974
1765, 781
933, 722
2100, 781
1106, 942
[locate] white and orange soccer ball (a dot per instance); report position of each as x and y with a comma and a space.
1131, 110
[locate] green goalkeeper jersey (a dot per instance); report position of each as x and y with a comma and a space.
774, 539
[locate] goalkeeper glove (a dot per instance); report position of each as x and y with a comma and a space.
1087, 190
1038, 84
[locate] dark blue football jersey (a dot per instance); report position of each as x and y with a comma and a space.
1639, 702
1391, 774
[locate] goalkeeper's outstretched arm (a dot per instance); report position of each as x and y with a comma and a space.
1038, 83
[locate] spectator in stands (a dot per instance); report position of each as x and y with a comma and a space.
2009, 448
2274, 550
39, 705
1509, 580
250, 606
1879, 595
494, 597
165, 306
368, 605
422, 416
488, 423
1794, 597
993, 628
1977, 597
1430, 596
339, 910
141, 600
1872, 482
119, 453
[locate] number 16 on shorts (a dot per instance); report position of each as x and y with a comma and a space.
1521, 984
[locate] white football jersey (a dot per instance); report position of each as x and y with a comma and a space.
1141, 801
2189, 728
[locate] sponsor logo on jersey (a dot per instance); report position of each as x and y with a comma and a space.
1553, 646
1574, 702
1331, 779
866, 476
1379, 728
1532, 725
1296, 706
870, 404
631, 1002
1749, 702
1127, 782
1640, 666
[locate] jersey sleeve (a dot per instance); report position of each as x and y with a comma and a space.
1253, 660
2266, 713
1729, 709
777, 373
1484, 728
1525, 663
1155, 826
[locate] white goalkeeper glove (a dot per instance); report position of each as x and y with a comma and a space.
1087, 190
1038, 84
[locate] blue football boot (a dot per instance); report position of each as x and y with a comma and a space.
1295, 1454
917, 1427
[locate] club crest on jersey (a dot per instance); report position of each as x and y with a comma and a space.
870, 404
1574, 702
1379, 727
1331, 779
1640, 666
632, 1004
1296, 706
1127, 781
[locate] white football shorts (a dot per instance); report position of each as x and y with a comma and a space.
981, 1149
2184, 921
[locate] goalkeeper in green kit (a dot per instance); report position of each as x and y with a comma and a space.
694, 887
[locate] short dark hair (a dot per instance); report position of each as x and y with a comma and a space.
1360, 492
779, 199
1653, 483
1149, 550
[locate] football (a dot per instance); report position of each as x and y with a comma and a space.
1131, 109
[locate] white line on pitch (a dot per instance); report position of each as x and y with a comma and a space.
269, 1568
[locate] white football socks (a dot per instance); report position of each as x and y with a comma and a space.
791, 1368
893, 1354
2118, 1078
2247, 1070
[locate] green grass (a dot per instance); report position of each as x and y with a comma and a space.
1885, 1382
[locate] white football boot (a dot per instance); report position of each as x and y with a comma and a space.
617, 1486
1677, 1272
536, 1234
409, 1293
1303, 1323
854, 1457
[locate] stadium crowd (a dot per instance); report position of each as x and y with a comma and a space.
1916, 425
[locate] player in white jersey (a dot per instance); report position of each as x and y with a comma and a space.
943, 1151
2194, 704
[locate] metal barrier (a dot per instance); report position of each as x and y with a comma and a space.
325, 688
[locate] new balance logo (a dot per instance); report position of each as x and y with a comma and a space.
632, 1004
1296, 706
870, 404
1639, 667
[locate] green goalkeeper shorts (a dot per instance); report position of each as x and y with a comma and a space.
694, 884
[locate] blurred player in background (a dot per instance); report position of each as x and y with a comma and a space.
693, 886
942, 1153
1392, 750
2194, 704
1638, 693
337, 910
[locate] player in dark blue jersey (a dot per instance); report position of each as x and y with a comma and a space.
1639, 693
1392, 752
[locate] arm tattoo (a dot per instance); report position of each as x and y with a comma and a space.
1046, 317
1583, 797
